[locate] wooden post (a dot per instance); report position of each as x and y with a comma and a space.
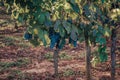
88, 64
55, 56
88, 54
113, 55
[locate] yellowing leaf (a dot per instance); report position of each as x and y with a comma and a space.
107, 34
73, 16
89, 43
35, 31
54, 17
114, 13
67, 6
26, 9
47, 39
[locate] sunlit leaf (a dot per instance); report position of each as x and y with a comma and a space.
102, 1
35, 31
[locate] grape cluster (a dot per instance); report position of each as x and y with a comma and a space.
73, 42
69, 21
27, 36
58, 41
54, 37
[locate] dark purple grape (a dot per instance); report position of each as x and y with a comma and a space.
27, 36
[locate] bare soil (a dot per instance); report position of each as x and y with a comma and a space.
39, 67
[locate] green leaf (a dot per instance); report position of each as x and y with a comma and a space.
101, 40
47, 15
101, 29
98, 12
103, 57
44, 40
81, 38
94, 33
67, 26
56, 25
35, 42
102, 53
40, 33
48, 22
62, 31
62, 43
102, 1
86, 10
107, 32
41, 18
72, 1
20, 18
74, 33
53, 1
75, 7
82, 26
37, 2
38, 9
74, 27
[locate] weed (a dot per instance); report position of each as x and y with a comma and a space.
65, 56
7, 40
12, 40
23, 45
95, 58
48, 56
14, 74
18, 63
22, 62
68, 72
82, 55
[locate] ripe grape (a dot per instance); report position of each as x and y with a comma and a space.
27, 36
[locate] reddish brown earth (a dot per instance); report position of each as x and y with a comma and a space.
40, 68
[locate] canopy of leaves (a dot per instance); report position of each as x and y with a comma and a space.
52, 21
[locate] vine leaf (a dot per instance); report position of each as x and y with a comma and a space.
42, 18
67, 26
74, 33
